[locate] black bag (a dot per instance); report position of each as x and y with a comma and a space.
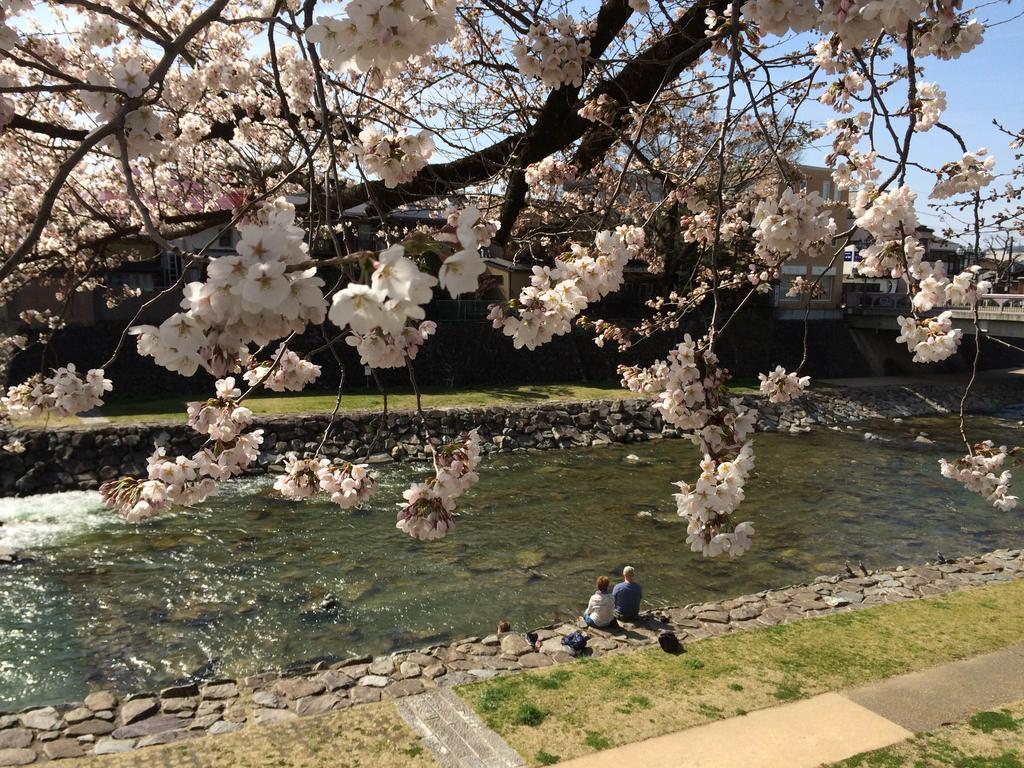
669, 642
575, 642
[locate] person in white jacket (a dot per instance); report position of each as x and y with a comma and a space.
601, 608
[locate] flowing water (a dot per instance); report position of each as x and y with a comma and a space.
249, 582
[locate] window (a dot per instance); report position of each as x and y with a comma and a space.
141, 280
226, 239
824, 292
826, 189
366, 240
790, 272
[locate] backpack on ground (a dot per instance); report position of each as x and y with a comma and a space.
576, 642
669, 642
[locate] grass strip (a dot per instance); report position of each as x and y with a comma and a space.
560, 713
172, 409
992, 739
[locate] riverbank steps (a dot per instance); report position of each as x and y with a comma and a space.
80, 458
107, 722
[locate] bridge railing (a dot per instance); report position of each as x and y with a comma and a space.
867, 303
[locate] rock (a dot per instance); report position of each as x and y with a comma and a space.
409, 669
94, 727
404, 688
15, 738
6, 721
209, 707
354, 661
373, 681
63, 749
268, 716
299, 687
432, 671
268, 700
552, 645
335, 680
455, 678
384, 666
355, 671
222, 727
113, 746
515, 645
535, 660
180, 691
220, 691
316, 705
154, 725
168, 737
17, 756
713, 617
262, 680
745, 612
923, 440
236, 712
136, 709
491, 640
77, 715
45, 719
100, 700
179, 705
602, 644
203, 723
364, 695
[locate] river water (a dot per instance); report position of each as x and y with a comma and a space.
249, 582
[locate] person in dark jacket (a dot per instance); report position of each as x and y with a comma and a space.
627, 595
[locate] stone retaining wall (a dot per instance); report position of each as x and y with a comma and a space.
82, 458
106, 723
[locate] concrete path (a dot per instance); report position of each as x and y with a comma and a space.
833, 726
454, 734
922, 701
822, 729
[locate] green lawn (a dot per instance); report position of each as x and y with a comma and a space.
569, 711
992, 739
173, 408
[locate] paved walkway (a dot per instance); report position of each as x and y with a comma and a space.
833, 726
454, 734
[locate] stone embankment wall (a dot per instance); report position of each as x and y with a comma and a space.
82, 458
107, 722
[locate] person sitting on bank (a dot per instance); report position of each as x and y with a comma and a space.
627, 595
504, 626
600, 610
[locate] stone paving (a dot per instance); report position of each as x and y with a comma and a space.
454, 734
106, 723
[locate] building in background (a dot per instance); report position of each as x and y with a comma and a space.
825, 270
